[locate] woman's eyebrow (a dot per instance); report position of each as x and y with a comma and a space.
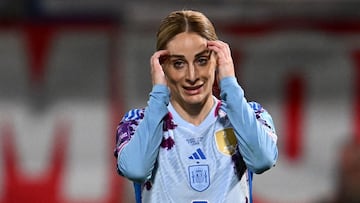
203, 52
176, 56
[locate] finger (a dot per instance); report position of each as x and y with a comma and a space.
224, 59
223, 56
157, 72
221, 48
156, 58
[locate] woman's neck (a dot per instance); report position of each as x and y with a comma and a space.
194, 113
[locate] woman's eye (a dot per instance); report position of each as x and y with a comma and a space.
202, 61
178, 64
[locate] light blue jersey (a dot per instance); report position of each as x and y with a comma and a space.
171, 160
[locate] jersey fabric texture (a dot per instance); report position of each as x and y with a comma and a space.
172, 160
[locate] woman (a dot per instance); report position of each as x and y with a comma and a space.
187, 145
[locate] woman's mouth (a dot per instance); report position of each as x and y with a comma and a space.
193, 90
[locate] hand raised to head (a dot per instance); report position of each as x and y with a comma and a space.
157, 72
225, 64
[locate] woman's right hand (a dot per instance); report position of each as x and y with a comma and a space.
157, 72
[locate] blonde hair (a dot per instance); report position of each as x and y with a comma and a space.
184, 21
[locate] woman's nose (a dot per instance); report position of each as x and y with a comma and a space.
191, 73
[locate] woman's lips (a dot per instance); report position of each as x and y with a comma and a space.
193, 89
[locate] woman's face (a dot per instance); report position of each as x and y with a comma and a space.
190, 69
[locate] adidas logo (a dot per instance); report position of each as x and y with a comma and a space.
198, 154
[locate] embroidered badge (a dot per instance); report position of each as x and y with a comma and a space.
199, 177
226, 141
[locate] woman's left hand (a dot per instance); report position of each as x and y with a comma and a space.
225, 64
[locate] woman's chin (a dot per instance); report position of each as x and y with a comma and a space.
195, 99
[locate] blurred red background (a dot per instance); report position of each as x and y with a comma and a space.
68, 71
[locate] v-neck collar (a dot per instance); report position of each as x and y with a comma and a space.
209, 119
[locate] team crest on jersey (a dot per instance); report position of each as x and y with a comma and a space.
226, 141
199, 177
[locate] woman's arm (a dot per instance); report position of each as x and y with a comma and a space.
256, 136
257, 143
139, 137
138, 146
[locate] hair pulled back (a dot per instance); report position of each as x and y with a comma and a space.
184, 21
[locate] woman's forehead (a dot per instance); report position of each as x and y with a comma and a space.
187, 44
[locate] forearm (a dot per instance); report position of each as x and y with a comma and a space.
256, 143
137, 158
